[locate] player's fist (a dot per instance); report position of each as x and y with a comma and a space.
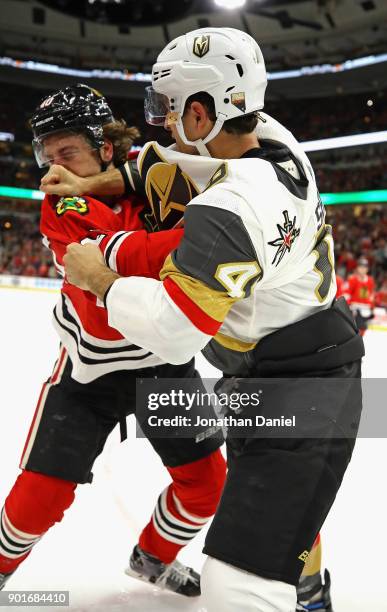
62, 182
82, 263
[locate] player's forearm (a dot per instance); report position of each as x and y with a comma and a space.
85, 268
141, 311
104, 183
60, 181
138, 253
101, 281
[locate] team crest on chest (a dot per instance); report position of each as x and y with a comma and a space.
287, 235
75, 204
169, 190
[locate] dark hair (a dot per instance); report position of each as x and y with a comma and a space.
239, 125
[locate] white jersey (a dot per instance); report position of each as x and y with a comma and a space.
256, 254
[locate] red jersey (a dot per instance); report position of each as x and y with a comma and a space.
94, 347
342, 286
360, 291
381, 298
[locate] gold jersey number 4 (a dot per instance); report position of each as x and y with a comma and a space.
235, 276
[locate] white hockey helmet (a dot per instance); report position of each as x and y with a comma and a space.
224, 62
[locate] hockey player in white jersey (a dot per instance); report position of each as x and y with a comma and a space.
252, 284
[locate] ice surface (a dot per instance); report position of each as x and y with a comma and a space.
88, 551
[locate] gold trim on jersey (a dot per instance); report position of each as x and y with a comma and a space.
144, 154
219, 176
234, 344
319, 233
215, 304
323, 235
147, 151
129, 175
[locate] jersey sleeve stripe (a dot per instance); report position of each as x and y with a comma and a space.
110, 245
115, 247
234, 344
196, 315
212, 302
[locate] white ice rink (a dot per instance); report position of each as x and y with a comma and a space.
88, 551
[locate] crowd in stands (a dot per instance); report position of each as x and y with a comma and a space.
308, 119
341, 115
358, 231
21, 249
352, 169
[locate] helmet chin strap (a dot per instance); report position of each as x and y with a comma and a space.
104, 164
200, 144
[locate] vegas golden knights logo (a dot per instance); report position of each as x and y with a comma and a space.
168, 190
201, 45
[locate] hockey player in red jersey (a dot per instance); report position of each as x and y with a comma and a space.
360, 292
342, 286
92, 387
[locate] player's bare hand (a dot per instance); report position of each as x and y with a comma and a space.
62, 182
85, 268
81, 263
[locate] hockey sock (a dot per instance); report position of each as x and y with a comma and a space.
313, 563
184, 507
35, 503
311, 576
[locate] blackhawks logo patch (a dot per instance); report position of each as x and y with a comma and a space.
76, 204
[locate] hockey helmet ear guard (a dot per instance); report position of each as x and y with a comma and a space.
78, 109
